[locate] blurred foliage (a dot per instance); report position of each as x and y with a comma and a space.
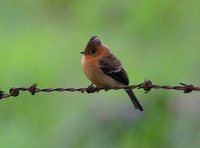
40, 42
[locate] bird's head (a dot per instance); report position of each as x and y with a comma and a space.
94, 47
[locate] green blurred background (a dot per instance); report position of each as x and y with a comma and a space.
40, 42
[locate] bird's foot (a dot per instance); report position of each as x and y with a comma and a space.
107, 88
91, 89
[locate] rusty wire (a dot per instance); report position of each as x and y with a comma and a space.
147, 86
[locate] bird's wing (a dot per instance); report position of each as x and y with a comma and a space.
111, 66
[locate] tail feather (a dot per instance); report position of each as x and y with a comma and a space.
134, 99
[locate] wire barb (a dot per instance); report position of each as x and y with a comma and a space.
147, 86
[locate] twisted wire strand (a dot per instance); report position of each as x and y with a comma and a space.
147, 86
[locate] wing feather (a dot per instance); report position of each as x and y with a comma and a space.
111, 66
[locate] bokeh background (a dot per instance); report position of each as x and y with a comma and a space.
40, 42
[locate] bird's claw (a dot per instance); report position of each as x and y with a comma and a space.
91, 89
107, 88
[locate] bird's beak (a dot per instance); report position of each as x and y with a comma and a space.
82, 52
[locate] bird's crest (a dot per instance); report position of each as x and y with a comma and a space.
93, 42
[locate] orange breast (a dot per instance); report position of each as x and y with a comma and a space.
95, 74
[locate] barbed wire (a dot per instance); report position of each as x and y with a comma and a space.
147, 86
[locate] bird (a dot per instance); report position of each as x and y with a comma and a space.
103, 68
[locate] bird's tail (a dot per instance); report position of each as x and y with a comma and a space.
134, 99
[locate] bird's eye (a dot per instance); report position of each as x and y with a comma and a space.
93, 50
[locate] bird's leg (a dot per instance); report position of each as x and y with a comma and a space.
91, 84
